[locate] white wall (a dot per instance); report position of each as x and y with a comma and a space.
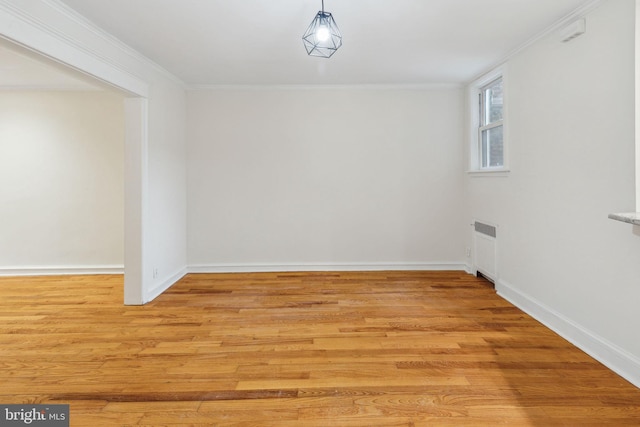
61, 175
325, 178
166, 242
158, 222
637, 105
571, 141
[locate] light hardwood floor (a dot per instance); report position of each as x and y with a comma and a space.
298, 349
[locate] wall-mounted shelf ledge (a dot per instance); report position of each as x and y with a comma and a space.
631, 217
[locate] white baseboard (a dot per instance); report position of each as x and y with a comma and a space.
65, 270
165, 284
267, 268
615, 358
470, 269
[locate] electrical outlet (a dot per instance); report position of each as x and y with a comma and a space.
155, 273
468, 252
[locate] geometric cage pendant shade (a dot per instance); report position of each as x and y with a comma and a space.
323, 37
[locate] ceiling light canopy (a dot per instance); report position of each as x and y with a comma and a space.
323, 37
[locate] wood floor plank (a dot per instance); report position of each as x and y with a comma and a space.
290, 349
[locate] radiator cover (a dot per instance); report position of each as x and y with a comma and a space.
485, 243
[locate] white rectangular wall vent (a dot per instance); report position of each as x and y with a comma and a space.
573, 30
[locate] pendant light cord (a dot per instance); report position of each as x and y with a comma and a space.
323, 6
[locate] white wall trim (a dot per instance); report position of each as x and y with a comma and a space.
323, 87
262, 268
136, 193
50, 88
157, 290
111, 39
576, 14
615, 358
500, 173
59, 270
20, 27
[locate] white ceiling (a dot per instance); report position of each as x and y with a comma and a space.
385, 41
255, 42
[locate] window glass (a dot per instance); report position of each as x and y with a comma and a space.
492, 147
493, 99
491, 141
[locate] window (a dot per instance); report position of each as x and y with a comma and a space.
489, 125
491, 128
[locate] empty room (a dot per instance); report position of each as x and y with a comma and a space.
319, 213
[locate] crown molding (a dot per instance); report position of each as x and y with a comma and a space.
412, 87
576, 14
22, 28
16, 13
79, 19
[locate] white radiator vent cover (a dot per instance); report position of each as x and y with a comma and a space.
484, 242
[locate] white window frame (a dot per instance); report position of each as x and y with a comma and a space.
475, 128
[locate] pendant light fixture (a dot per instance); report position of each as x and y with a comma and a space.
323, 37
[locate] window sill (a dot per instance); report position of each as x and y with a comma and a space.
630, 218
489, 173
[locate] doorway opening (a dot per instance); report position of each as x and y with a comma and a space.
83, 170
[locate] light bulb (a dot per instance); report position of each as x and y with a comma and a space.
323, 33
